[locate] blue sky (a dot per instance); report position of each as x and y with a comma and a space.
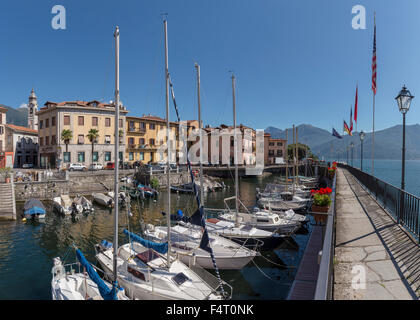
295, 61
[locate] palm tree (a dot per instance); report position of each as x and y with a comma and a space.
93, 136
66, 136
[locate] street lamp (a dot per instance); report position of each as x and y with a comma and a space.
347, 155
362, 137
404, 100
352, 147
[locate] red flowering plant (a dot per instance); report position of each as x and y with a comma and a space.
321, 197
321, 191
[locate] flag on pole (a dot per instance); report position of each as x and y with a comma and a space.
336, 134
374, 60
351, 119
355, 107
347, 129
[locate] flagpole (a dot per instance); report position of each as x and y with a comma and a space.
374, 94
373, 137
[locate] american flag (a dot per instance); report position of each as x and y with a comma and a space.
374, 61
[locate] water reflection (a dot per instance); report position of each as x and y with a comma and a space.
27, 249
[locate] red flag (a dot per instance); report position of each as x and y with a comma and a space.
355, 107
374, 61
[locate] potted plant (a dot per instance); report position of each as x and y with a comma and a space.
331, 172
6, 172
321, 204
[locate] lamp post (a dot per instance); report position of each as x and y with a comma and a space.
362, 137
347, 154
404, 100
352, 147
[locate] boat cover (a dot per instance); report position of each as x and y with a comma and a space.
33, 206
106, 293
159, 247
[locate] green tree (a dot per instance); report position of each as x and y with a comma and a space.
66, 136
301, 151
93, 136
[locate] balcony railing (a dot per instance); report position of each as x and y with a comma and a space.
138, 130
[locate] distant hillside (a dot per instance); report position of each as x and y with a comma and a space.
17, 117
307, 134
388, 142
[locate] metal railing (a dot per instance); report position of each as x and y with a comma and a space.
324, 284
401, 205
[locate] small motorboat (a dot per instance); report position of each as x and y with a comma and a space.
123, 198
132, 192
33, 209
65, 206
103, 200
147, 191
84, 203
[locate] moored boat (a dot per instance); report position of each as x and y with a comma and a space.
102, 199
186, 243
34, 209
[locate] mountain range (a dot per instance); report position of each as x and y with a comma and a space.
388, 142
17, 116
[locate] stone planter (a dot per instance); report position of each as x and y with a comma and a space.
320, 218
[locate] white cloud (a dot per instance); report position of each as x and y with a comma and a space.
23, 105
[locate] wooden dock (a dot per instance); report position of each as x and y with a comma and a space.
304, 285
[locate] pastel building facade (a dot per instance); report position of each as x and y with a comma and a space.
79, 117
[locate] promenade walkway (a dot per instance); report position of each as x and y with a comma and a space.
368, 239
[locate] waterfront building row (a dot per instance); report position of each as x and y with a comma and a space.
67, 132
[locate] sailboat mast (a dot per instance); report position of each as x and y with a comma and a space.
168, 216
235, 160
294, 161
117, 140
297, 158
200, 126
287, 160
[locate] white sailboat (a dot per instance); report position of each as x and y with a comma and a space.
80, 281
186, 241
147, 270
244, 223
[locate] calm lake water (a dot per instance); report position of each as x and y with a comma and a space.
27, 248
390, 171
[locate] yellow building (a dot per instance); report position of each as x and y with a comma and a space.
147, 134
78, 117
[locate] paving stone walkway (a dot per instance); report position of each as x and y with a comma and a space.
368, 241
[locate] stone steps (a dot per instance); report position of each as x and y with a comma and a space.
7, 201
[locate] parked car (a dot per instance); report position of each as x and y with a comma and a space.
77, 166
27, 166
96, 166
110, 166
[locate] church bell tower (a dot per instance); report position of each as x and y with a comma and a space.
32, 110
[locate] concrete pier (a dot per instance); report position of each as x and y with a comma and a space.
369, 242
